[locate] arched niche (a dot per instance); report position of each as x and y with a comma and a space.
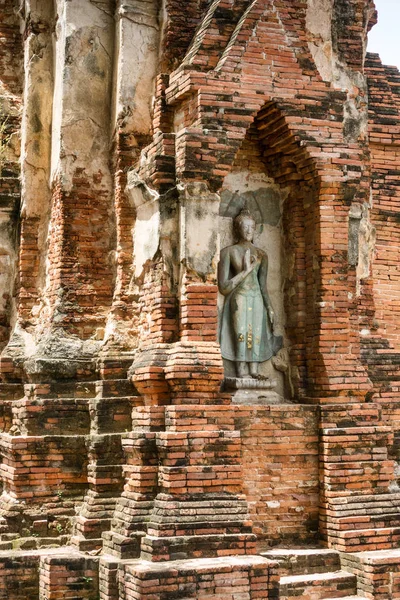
273, 175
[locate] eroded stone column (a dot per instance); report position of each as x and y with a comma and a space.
135, 68
80, 267
35, 166
156, 240
194, 369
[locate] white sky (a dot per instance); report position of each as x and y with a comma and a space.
384, 37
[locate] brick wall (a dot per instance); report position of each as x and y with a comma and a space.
187, 475
381, 298
280, 471
79, 255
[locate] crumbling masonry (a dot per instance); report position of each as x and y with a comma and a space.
129, 132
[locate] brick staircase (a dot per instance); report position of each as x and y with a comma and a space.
61, 447
377, 572
85, 466
159, 489
313, 574
358, 512
366, 521
183, 498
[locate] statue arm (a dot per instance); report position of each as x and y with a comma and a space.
226, 285
262, 278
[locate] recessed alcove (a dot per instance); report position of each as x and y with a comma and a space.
269, 183
264, 199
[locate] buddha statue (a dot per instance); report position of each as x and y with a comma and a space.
247, 324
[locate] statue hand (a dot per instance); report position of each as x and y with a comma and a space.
247, 260
271, 315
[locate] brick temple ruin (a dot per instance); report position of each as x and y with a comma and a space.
132, 132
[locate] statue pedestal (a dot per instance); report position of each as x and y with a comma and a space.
247, 390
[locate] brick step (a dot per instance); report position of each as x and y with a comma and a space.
233, 526
92, 528
112, 388
378, 521
304, 561
41, 416
347, 416
51, 416
83, 545
61, 389
380, 510
122, 546
201, 546
361, 540
20, 573
224, 515
54, 461
367, 438
377, 572
190, 418
197, 445
318, 586
224, 577
376, 471
355, 430
365, 502
33, 543
83, 400
115, 368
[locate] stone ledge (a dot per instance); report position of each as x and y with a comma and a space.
199, 565
378, 557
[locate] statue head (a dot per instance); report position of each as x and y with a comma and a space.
244, 225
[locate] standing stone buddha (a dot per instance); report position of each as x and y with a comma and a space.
246, 329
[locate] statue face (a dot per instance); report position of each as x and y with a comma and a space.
246, 228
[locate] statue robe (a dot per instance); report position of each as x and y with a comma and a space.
245, 332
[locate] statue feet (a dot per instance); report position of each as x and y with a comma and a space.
244, 370
253, 368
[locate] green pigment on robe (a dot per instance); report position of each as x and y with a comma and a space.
245, 330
